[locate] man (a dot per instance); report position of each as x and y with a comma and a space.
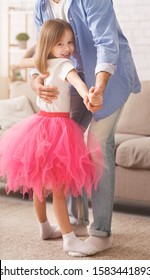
103, 58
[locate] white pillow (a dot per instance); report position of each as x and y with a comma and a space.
19, 88
13, 111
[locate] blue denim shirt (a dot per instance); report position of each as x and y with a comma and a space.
100, 46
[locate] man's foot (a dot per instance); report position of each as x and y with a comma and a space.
48, 231
77, 246
100, 243
80, 230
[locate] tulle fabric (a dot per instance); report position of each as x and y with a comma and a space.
43, 154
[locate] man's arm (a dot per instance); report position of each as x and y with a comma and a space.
46, 93
101, 20
27, 60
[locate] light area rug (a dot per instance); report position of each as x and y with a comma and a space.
19, 235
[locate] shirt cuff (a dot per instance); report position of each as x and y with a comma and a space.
106, 67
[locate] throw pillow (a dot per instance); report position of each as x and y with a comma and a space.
14, 110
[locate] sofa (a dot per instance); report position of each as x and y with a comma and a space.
132, 139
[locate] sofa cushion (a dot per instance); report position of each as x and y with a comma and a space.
19, 88
14, 110
121, 137
135, 118
134, 153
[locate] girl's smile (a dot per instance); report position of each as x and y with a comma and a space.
65, 47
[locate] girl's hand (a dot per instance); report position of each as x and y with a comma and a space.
48, 94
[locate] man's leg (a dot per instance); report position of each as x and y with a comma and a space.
78, 207
102, 198
78, 214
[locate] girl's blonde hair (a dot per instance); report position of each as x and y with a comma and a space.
50, 34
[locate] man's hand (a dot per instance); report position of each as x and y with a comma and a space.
48, 94
94, 100
95, 97
90, 107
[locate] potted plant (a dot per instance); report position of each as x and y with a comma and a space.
22, 39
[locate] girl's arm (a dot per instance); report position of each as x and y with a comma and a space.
74, 79
28, 59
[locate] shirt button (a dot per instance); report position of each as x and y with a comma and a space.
70, 18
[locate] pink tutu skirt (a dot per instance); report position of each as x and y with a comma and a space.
43, 154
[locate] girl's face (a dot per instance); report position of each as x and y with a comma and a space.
65, 47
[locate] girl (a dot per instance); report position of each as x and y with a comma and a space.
46, 152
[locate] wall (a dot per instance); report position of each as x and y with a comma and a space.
3, 52
134, 19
